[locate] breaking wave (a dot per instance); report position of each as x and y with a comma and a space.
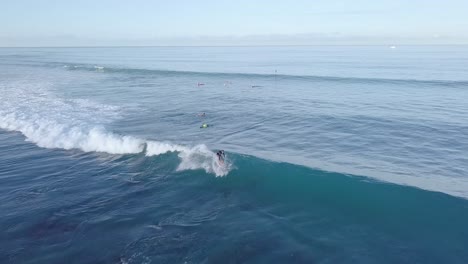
53, 122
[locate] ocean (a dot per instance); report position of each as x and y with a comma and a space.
334, 154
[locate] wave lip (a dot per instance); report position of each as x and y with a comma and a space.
49, 134
154, 148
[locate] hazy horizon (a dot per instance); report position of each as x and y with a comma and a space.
30, 23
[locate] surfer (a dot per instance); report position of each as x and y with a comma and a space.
220, 155
202, 114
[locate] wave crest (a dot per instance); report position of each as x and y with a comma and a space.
266, 76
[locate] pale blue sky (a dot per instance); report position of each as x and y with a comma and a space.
240, 22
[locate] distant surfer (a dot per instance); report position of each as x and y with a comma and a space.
221, 156
202, 114
200, 84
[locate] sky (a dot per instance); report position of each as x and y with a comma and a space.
241, 22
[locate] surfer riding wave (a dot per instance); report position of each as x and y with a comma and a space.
221, 156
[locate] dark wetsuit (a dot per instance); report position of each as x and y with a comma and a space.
220, 155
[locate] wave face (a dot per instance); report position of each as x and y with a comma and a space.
176, 213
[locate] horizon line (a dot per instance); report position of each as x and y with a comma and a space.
262, 45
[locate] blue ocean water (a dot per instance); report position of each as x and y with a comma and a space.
335, 154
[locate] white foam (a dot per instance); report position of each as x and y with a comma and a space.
50, 134
154, 148
200, 157
53, 122
194, 158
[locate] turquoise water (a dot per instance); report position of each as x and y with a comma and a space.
334, 155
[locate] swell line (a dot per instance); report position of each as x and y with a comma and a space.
240, 75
